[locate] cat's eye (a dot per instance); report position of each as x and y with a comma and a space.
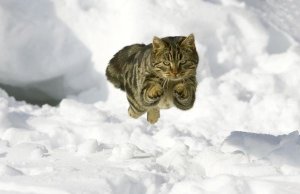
166, 63
192, 67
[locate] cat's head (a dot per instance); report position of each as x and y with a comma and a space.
174, 58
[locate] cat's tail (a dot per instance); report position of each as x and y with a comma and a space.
114, 75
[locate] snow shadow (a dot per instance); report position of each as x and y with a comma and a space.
280, 150
41, 60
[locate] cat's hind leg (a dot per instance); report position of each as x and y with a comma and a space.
153, 115
135, 110
134, 113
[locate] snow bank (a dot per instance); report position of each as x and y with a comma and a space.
40, 57
78, 147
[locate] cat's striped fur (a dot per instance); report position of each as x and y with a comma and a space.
155, 76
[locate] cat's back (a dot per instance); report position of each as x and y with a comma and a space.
126, 54
120, 61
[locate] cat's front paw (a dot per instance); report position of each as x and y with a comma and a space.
155, 92
180, 91
184, 96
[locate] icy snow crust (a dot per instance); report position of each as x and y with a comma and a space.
239, 138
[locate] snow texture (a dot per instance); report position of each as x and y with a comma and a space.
242, 135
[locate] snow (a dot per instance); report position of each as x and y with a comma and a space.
41, 59
242, 135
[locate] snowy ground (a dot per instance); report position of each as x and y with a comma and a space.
242, 136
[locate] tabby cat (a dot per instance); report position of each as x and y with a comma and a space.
156, 76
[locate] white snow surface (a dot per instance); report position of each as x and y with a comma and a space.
242, 135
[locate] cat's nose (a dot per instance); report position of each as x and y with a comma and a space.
175, 72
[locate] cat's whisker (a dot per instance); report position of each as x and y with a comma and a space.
165, 82
168, 82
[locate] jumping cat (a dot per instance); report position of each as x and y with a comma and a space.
156, 76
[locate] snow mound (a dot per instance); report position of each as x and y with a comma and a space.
41, 60
281, 150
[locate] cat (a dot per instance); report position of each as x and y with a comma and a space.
156, 76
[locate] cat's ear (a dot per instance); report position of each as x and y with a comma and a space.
189, 42
158, 44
